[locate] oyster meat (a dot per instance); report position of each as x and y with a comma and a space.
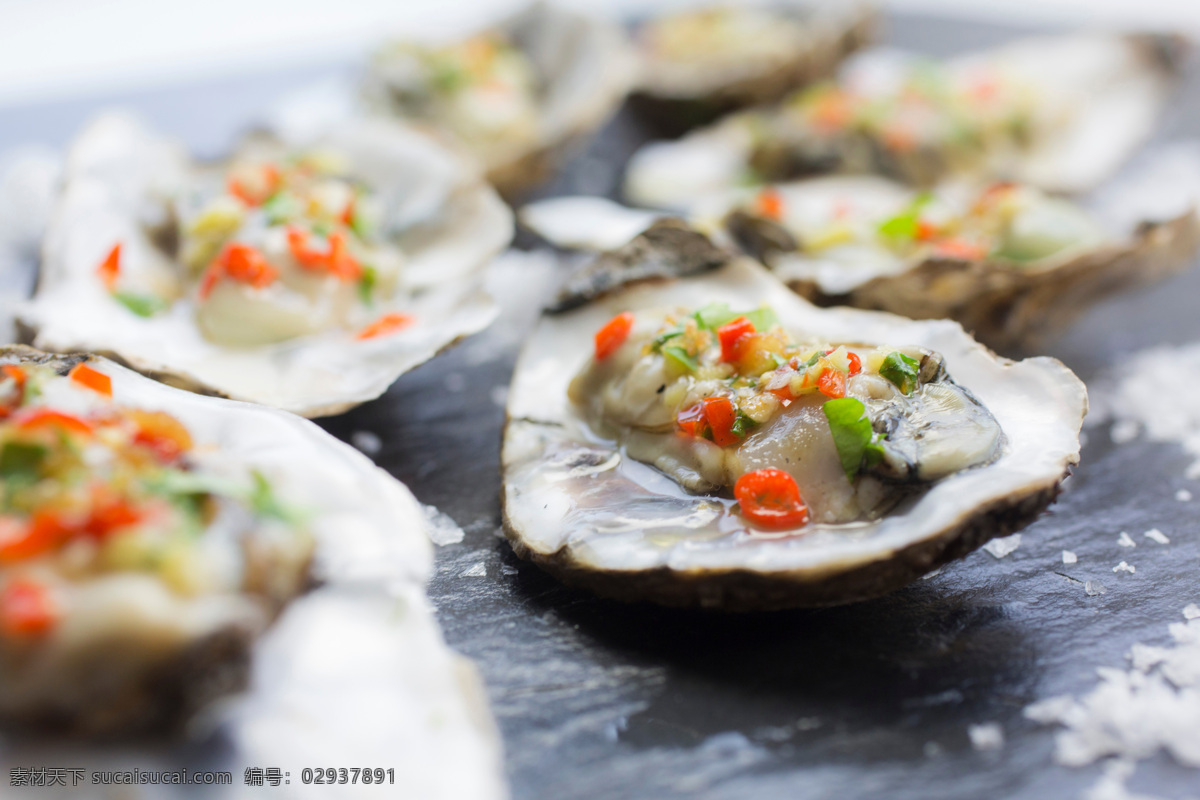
303, 277
1059, 112
697, 64
517, 96
862, 449
160, 549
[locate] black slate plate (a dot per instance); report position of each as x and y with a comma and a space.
597, 699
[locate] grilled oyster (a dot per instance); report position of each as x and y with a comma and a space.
516, 96
698, 64
1061, 113
863, 449
307, 278
149, 537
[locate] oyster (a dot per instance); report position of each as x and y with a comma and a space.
517, 96
905, 444
306, 278
698, 64
1013, 265
1059, 112
150, 537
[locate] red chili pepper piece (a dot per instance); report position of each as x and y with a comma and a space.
958, 248
41, 534
832, 383
35, 418
855, 363
241, 263
253, 196
110, 268
733, 336
769, 204
387, 324
336, 260
721, 415
926, 231
770, 498
691, 420
614, 333
26, 608
92, 379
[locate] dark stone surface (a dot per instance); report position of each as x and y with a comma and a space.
597, 699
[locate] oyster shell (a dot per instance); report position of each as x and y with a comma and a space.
139, 655
1041, 261
579, 506
698, 64
1059, 112
123, 183
566, 74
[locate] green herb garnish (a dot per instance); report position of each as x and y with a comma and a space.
742, 425
366, 284
901, 370
763, 319
905, 224
265, 503
856, 442
144, 305
714, 315
279, 208
665, 337
679, 358
21, 461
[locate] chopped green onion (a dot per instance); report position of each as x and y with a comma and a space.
901, 371
853, 435
144, 305
665, 337
21, 461
904, 224
742, 425
366, 284
763, 319
714, 315
678, 357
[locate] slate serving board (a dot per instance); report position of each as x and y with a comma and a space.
596, 699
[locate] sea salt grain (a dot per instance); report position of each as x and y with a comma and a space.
1183, 496
1155, 535
988, 736
1174, 416
1124, 541
1131, 715
1124, 431
477, 571
1069, 557
1002, 547
367, 442
1124, 567
1094, 588
442, 529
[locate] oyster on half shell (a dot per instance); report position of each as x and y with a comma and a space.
611, 483
1012, 264
167, 585
517, 96
230, 280
1059, 112
697, 64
